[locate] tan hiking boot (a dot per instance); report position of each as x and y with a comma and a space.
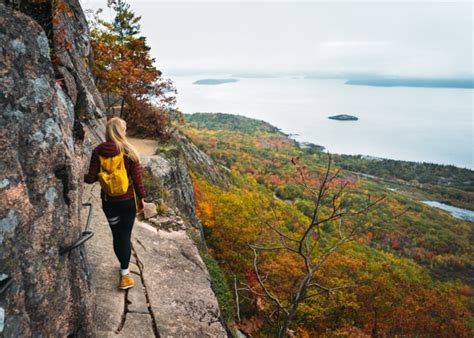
126, 282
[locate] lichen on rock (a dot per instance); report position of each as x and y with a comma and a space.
42, 162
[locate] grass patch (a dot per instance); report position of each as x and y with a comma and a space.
220, 287
170, 149
162, 209
153, 187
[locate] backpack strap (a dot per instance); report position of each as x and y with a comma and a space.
130, 182
135, 198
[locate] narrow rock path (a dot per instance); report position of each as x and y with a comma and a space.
172, 296
118, 312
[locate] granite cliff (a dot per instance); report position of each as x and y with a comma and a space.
43, 155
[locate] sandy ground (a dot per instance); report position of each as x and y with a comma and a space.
145, 147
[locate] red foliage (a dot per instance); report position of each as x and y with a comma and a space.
250, 325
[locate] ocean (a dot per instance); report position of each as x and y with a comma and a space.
403, 123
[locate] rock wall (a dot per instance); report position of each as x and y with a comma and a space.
172, 173
44, 153
201, 162
171, 169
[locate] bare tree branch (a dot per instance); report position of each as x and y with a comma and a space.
267, 292
237, 305
328, 291
326, 198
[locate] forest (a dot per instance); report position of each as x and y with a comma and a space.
408, 271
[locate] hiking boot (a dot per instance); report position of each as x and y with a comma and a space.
126, 282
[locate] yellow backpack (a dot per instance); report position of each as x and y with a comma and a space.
113, 175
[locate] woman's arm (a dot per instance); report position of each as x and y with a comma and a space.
94, 167
136, 173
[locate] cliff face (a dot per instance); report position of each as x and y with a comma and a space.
171, 168
43, 156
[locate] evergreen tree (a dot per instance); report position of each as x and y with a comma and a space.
125, 24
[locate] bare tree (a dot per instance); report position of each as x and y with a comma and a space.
306, 245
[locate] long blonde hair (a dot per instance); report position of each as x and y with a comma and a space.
115, 131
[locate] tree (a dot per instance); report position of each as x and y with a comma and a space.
125, 23
126, 75
333, 223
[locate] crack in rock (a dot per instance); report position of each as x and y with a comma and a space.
127, 301
139, 312
124, 313
141, 244
145, 290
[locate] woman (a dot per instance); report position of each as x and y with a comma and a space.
119, 210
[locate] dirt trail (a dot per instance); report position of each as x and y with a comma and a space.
145, 147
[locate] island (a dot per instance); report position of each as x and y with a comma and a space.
214, 81
310, 148
459, 83
343, 117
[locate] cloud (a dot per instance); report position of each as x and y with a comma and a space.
404, 38
361, 44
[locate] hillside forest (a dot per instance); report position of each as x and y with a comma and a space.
407, 269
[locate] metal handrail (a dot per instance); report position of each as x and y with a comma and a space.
86, 235
7, 282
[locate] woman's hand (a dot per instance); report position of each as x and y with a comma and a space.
141, 205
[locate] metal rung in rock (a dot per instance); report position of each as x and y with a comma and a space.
5, 284
86, 235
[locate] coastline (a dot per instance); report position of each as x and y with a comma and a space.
370, 157
301, 143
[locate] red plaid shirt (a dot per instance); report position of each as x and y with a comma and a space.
134, 171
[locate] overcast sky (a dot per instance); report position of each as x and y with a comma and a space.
428, 39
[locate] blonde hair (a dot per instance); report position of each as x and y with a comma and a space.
115, 131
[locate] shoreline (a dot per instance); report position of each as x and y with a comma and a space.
369, 157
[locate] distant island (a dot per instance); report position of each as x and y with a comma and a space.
466, 83
343, 117
214, 81
310, 147
377, 80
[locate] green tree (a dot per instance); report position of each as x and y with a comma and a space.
126, 74
125, 23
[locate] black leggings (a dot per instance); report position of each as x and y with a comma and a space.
121, 216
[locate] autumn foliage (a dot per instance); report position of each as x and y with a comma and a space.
389, 271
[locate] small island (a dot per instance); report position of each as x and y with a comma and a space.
214, 81
343, 117
310, 148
